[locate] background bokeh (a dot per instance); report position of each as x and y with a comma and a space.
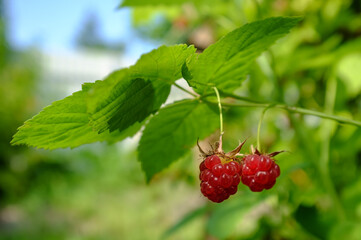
98, 191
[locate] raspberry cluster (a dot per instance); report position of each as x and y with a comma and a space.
220, 173
218, 180
259, 172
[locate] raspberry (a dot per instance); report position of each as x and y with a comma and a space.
259, 171
219, 180
220, 173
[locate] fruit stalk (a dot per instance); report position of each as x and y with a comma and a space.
262, 104
220, 119
259, 127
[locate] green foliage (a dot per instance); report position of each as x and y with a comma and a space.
4, 48
130, 95
120, 101
115, 107
172, 132
63, 124
301, 206
163, 64
310, 220
346, 230
226, 63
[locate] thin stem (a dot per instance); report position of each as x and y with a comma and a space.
220, 120
262, 104
259, 127
184, 90
294, 110
220, 110
246, 99
319, 114
258, 131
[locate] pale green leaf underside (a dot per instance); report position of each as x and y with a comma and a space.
225, 64
130, 95
172, 132
64, 124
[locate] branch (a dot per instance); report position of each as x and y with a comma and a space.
261, 104
292, 109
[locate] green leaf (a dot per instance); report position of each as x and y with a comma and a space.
120, 101
171, 133
164, 63
65, 123
225, 64
311, 220
130, 95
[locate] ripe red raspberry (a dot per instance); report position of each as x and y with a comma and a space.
219, 180
259, 171
220, 173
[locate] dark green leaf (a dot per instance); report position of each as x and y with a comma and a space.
225, 64
310, 219
130, 95
120, 101
171, 133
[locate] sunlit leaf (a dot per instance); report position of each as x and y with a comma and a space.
225, 64
130, 95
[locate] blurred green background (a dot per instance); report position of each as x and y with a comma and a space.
99, 192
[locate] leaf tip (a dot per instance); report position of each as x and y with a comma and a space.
148, 177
